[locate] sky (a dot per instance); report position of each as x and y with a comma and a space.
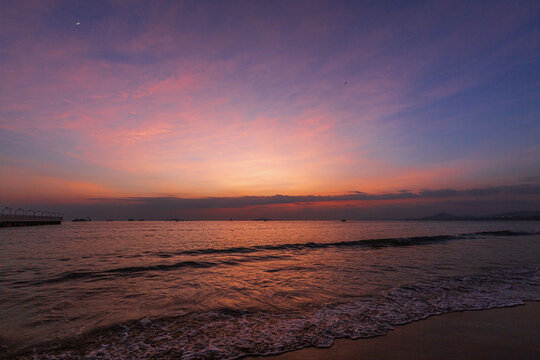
279, 109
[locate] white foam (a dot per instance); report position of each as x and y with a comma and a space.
233, 334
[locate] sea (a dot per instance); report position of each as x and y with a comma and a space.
228, 289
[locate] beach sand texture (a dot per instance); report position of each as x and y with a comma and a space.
504, 333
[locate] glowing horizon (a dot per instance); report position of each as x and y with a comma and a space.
107, 100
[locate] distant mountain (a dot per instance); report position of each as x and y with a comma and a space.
515, 215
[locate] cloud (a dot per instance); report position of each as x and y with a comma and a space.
242, 99
247, 201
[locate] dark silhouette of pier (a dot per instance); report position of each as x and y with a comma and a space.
28, 217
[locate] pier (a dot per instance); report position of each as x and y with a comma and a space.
28, 217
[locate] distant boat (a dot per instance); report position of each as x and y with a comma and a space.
343, 220
81, 219
130, 219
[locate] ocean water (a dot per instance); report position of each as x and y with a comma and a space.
223, 290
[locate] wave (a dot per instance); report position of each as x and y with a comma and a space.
371, 243
234, 333
140, 269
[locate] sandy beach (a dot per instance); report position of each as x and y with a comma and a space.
503, 333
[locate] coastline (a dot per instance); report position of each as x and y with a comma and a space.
498, 333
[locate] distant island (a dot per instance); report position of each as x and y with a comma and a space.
516, 215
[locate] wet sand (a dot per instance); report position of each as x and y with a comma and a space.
504, 333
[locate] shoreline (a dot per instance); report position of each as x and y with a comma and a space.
496, 333
511, 332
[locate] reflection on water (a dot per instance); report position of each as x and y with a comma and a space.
297, 283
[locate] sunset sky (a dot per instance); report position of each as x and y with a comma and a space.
209, 109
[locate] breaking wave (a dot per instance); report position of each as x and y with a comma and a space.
230, 333
370, 243
199, 264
